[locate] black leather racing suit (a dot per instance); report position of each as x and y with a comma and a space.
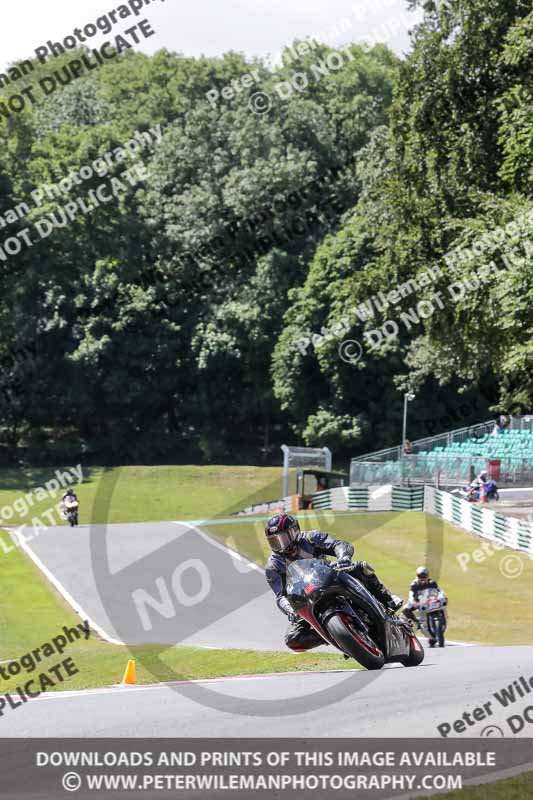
313, 544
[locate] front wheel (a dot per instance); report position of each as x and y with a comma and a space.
438, 627
354, 642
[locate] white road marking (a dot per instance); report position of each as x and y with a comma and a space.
63, 591
123, 688
233, 553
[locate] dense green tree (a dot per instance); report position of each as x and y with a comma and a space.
203, 310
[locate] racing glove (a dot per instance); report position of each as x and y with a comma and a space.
285, 606
395, 603
343, 563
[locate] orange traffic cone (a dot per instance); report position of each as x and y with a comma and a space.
130, 676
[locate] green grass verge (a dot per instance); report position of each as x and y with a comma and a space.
485, 606
32, 613
519, 788
147, 493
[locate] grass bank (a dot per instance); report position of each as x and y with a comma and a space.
142, 493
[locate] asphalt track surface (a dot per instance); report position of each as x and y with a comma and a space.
232, 608
238, 611
394, 702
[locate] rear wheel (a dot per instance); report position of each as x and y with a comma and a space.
416, 653
355, 643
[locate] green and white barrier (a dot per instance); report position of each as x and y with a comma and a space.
510, 532
370, 498
284, 504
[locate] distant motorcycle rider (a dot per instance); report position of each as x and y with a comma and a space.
288, 544
421, 582
69, 497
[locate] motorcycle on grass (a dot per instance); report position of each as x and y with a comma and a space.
349, 617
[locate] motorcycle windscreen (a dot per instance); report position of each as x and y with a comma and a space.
305, 576
430, 600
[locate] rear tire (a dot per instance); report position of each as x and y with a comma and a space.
354, 642
416, 653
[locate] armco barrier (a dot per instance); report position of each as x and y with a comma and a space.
510, 532
287, 504
370, 498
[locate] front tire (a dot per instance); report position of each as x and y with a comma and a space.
355, 643
438, 624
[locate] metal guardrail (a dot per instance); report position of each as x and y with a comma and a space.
478, 431
446, 470
416, 470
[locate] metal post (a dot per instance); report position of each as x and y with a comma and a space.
404, 429
327, 453
285, 450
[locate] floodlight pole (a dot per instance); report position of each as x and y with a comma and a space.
406, 399
285, 450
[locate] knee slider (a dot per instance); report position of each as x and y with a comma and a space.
292, 641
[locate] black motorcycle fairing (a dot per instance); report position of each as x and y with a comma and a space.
367, 600
308, 581
396, 632
339, 606
318, 592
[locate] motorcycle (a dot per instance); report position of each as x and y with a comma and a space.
432, 608
472, 491
71, 512
348, 616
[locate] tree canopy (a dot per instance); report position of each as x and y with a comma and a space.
200, 313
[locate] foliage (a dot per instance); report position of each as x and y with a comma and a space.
174, 319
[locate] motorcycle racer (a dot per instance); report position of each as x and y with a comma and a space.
288, 544
67, 501
421, 582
